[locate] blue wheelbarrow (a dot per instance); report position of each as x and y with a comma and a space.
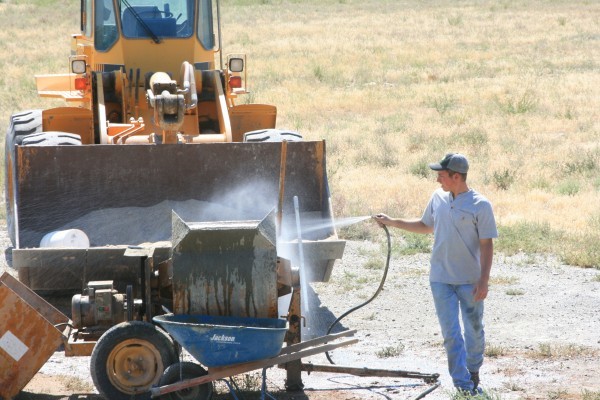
229, 346
216, 341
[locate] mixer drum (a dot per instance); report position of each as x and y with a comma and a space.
226, 268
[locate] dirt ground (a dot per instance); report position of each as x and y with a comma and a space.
542, 327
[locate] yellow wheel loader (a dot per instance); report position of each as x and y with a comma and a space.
152, 124
153, 190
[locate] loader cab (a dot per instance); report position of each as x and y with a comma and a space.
108, 21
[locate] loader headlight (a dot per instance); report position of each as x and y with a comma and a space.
236, 64
78, 66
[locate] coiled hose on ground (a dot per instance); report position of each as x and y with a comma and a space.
379, 289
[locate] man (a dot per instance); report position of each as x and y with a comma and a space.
463, 226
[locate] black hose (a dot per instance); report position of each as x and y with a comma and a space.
379, 289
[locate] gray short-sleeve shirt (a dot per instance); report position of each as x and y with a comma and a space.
458, 225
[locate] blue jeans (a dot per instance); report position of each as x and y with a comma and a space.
465, 354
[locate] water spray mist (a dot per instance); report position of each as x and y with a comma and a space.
303, 272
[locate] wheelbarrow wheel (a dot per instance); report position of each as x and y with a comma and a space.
129, 359
182, 371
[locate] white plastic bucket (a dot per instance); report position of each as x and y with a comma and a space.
70, 238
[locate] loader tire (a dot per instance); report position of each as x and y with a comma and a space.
25, 123
272, 135
129, 359
21, 124
182, 371
51, 139
25, 129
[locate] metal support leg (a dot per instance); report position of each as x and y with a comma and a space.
293, 382
231, 389
263, 389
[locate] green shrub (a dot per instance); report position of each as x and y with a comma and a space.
520, 105
474, 137
493, 351
581, 250
455, 20
504, 179
584, 164
420, 169
415, 243
527, 237
441, 103
589, 395
390, 351
568, 187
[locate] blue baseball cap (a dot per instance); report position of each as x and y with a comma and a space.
452, 161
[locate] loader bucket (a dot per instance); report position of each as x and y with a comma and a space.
124, 195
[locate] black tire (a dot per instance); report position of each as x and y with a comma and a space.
272, 135
51, 139
25, 129
182, 371
129, 359
21, 124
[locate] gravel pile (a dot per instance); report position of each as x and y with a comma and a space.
136, 225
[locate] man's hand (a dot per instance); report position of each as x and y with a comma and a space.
382, 219
480, 291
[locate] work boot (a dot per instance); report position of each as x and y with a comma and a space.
475, 379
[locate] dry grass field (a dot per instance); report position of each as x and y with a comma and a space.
393, 85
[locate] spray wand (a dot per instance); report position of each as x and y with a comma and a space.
379, 289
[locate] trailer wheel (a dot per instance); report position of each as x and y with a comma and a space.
272, 135
129, 359
182, 371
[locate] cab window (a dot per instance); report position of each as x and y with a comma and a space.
86, 18
205, 25
105, 26
157, 18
